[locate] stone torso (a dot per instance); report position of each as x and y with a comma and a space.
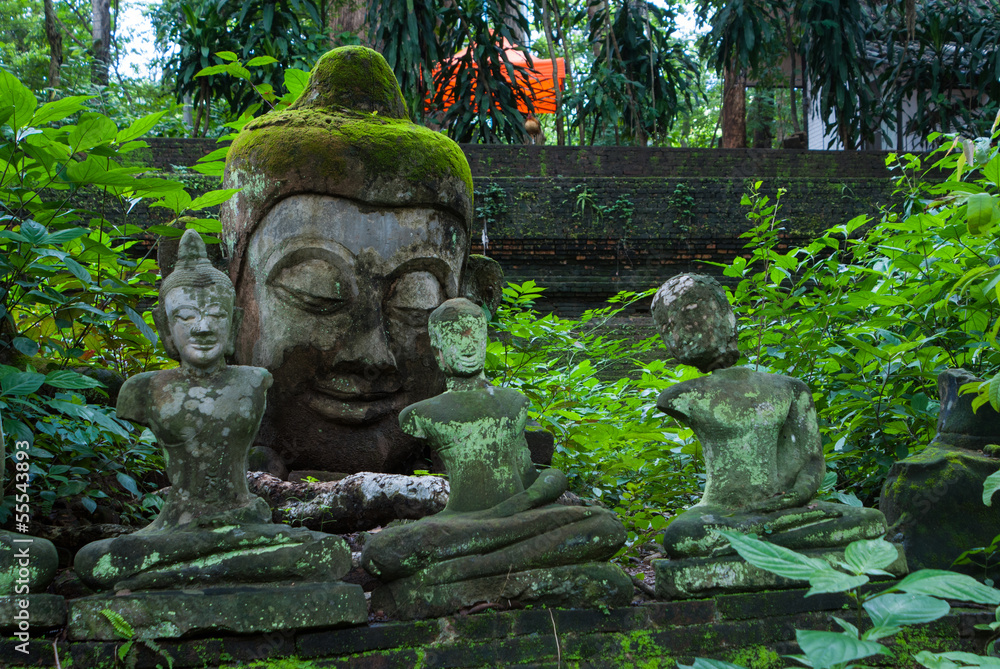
741, 418
205, 426
479, 434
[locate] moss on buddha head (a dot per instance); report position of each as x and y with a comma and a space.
347, 135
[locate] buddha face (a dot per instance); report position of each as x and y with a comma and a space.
337, 297
460, 344
200, 323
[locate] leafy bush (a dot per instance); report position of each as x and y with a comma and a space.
870, 313
74, 281
594, 390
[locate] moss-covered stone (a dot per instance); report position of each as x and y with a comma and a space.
243, 610
346, 135
697, 577
933, 500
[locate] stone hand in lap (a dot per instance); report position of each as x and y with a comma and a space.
204, 415
500, 520
758, 432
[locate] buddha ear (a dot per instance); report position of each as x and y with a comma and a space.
234, 330
163, 329
482, 282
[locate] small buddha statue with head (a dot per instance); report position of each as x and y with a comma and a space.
204, 415
501, 537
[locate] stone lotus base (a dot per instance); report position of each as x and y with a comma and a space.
694, 578
239, 609
45, 612
589, 585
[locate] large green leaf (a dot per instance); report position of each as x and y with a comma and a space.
870, 556
212, 198
980, 213
948, 585
139, 127
91, 130
992, 170
177, 200
990, 486
59, 109
952, 659
826, 649
707, 663
94, 170
14, 95
775, 559
892, 609
296, 81
70, 380
22, 383
832, 580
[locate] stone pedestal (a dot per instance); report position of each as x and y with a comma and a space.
586, 585
44, 612
239, 610
694, 578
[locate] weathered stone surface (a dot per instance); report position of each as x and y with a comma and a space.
351, 226
26, 561
758, 431
698, 577
357, 502
241, 610
43, 612
573, 586
500, 519
933, 499
204, 415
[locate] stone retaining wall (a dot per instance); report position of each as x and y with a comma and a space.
587, 222
749, 629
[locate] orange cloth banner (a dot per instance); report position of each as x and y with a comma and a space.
539, 79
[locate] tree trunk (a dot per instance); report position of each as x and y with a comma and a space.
54, 37
791, 81
101, 42
347, 16
568, 63
546, 18
734, 109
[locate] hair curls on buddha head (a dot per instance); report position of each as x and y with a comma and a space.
193, 270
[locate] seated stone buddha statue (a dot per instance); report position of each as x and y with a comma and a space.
500, 537
204, 415
758, 432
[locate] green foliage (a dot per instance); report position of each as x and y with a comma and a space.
954, 47
409, 32
918, 598
73, 285
641, 79
591, 388
270, 39
840, 74
483, 84
870, 313
125, 630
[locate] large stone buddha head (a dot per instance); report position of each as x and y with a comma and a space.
352, 225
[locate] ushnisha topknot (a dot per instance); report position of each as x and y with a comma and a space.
193, 268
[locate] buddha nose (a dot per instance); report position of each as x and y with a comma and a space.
367, 350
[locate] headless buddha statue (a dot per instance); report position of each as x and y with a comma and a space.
758, 432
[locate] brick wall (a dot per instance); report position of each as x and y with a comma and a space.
738, 628
587, 222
